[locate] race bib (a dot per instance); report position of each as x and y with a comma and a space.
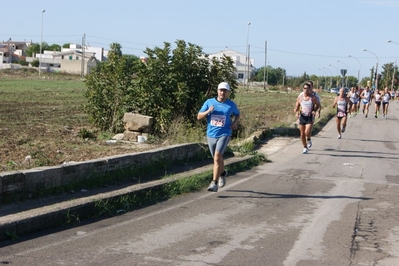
218, 120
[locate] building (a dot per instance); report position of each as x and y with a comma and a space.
73, 60
243, 71
11, 51
97, 51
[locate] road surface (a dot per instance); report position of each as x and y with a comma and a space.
336, 205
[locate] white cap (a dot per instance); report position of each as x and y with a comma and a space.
224, 85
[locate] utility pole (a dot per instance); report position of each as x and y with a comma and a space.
41, 43
9, 51
393, 77
249, 47
83, 55
264, 69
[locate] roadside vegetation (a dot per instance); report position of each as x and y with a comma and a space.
42, 121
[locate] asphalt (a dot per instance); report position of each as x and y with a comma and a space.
22, 218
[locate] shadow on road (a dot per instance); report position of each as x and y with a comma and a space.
287, 196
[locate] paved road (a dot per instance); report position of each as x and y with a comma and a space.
337, 205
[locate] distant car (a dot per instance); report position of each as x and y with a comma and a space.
334, 90
346, 90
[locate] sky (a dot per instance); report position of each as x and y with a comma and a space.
312, 36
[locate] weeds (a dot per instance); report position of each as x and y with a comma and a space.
71, 218
86, 134
12, 235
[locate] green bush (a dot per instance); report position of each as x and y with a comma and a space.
170, 85
35, 63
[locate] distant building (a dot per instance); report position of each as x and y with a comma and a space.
73, 60
97, 51
11, 51
242, 70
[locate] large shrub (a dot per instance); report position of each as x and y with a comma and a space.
170, 85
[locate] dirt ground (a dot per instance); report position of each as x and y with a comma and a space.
35, 133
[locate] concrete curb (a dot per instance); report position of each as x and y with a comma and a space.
54, 215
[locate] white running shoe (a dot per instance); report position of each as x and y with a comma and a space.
339, 136
309, 144
305, 150
222, 179
213, 187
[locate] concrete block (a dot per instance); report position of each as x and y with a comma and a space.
131, 135
137, 122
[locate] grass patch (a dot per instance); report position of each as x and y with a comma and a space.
153, 195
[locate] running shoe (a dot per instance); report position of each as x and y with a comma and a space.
363, 111
366, 116
339, 136
305, 150
343, 129
375, 116
309, 143
213, 187
222, 179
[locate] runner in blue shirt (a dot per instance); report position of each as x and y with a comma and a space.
218, 112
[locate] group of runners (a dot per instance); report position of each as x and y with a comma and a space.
308, 105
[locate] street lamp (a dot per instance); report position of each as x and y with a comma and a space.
376, 67
390, 41
330, 76
325, 77
343, 63
246, 74
267, 73
394, 67
334, 67
360, 67
337, 70
41, 43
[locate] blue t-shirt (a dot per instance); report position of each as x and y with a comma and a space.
219, 121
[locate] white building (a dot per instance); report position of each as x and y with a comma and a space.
243, 70
72, 62
11, 51
97, 51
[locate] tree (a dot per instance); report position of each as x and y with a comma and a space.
54, 47
175, 83
387, 76
110, 90
32, 49
169, 85
351, 81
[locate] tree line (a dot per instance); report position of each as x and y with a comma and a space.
389, 77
